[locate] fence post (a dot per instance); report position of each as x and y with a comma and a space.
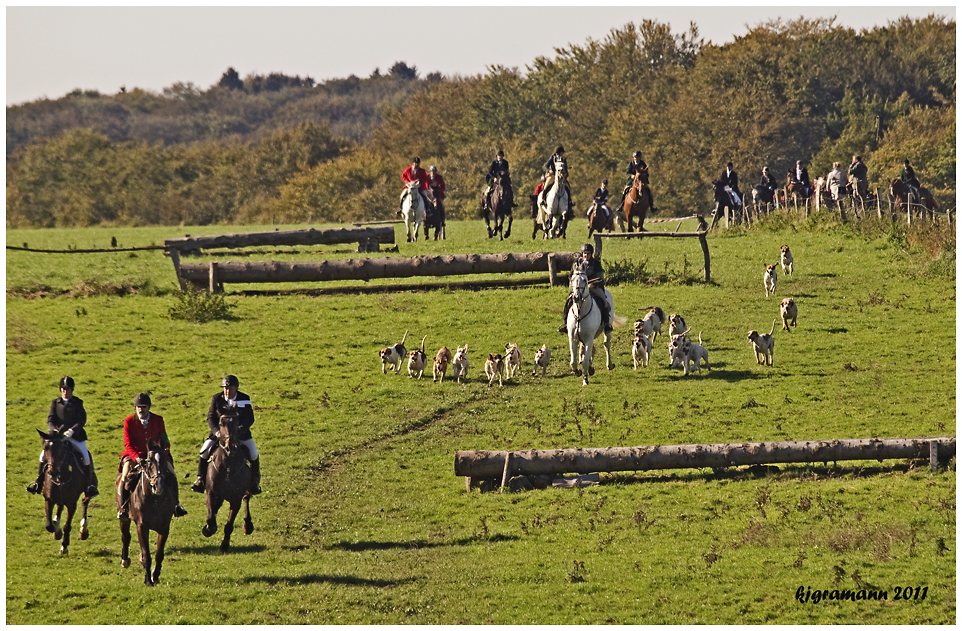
213, 277
175, 259
704, 248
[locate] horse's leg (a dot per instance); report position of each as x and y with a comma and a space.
84, 533
229, 526
49, 522
213, 505
143, 538
589, 350
65, 545
610, 363
507, 233
159, 555
248, 523
573, 344
58, 528
125, 543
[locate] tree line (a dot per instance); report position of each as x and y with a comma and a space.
288, 150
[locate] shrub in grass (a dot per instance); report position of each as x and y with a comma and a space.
200, 306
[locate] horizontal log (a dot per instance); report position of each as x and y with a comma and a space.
311, 236
487, 464
369, 268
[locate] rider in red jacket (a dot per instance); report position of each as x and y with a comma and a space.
415, 173
141, 428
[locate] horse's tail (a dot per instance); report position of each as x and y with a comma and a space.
619, 321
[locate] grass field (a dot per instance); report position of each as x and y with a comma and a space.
363, 521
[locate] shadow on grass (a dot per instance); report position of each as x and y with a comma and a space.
753, 472
310, 579
364, 546
214, 548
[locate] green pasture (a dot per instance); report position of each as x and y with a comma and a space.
362, 519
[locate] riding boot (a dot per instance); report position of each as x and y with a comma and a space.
255, 487
564, 327
200, 484
91, 479
37, 485
124, 513
606, 316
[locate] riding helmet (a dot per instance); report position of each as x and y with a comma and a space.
500, 153
433, 169
417, 160
587, 248
142, 399
637, 155
559, 149
230, 380
67, 382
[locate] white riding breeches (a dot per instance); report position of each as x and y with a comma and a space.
209, 445
81, 448
251, 449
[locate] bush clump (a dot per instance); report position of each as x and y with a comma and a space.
200, 306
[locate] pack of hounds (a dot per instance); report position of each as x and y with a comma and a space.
682, 352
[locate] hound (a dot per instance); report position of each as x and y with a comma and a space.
461, 363
764, 345
542, 357
676, 324
512, 359
697, 353
392, 356
787, 260
640, 350
417, 361
441, 361
650, 325
788, 311
770, 278
494, 367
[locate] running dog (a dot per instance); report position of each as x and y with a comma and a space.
441, 361
676, 325
392, 355
461, 363
542, 357
640, 350
787, 260
417, 361
650, 325
697, 353
770, 278
512, 359
788, 311
494, 367
764, 345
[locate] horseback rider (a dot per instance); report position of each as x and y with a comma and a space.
908, 178
67, 416
601, 198
498, 166
141, 428
800, 176
550, 175
596, 287
767, 184
637, 165
230, 401
859, 174
729, 178
411, 174
436, 184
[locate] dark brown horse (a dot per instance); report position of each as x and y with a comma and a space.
502, 201
900, 192
597, 221
151, 508
794, 188
228, 480
637, 202
63, 484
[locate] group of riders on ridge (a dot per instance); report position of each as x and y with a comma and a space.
67, 418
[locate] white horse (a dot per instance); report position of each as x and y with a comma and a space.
555, 203
584, 325
413, 210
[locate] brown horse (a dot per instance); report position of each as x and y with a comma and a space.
228, 480
638, 202
900, 192
598, 222
502, 201
63, 484
794, 188
151, 508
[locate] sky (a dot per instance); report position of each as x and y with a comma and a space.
53, 50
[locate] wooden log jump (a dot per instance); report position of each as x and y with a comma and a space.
491, 464
364, 236
214, 274
649, 234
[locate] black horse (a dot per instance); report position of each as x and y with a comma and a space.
228, 480
723, 199
434, 216
151, 508
502, 202
63, 484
